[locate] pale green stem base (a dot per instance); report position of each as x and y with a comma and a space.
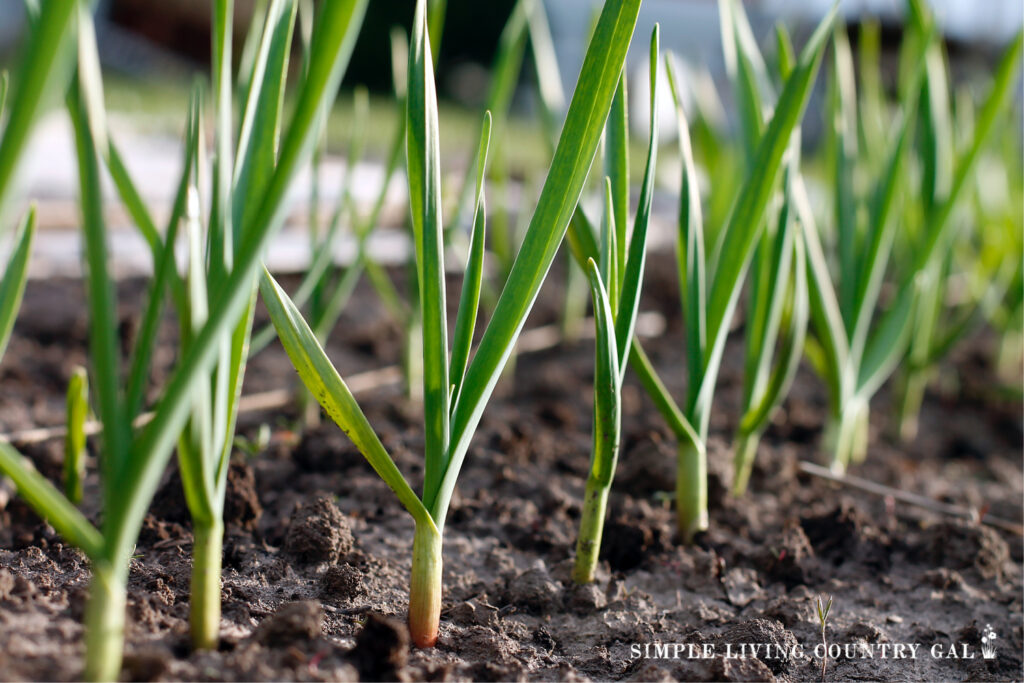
846, 435
425, 587
912, 396
413, 362
104, 626
743, 461
1010, 355
588, 546
691, 491
204, 610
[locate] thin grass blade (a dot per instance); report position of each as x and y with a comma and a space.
633, 275
41, 77
469, 299
742, 230
607, 399
12, 285
690, 246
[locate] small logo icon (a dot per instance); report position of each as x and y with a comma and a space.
988, 642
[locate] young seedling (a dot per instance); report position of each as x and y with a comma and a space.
77, 404
856, 347
615, 309
707, 312
132, 463
336, 291
777, 307
710, 284
979, 250
456, 391
823, 611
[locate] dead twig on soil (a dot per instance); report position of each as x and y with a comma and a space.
908, 498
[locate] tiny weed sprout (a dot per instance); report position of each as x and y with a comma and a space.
823, 609
77, 404
203, 389
615, 309
455, 391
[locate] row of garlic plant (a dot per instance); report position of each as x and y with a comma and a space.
770, 231
196, 410
456, 388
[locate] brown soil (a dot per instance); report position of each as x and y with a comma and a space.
317, 549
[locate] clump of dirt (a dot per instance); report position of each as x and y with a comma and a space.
315, 587
382, 649
788, 556
242, 507
293, 622
318, 532
341, 582
961, 545
534, 590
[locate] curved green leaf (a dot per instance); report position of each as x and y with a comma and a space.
12, 286
330, 390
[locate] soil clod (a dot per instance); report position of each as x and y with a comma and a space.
341, 582
318, 532
293, 622
382, 649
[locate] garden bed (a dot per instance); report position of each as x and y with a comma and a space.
316, 554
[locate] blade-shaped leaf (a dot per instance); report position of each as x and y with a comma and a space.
609, 262
632, 278
690, 246
616, 168
747, 217
103, 339
556, 205
164, 268
261, 120
469, 299
423, 153
51, 503
824, 304
42, 75
330, 390
334, 36
12, 285
607, 398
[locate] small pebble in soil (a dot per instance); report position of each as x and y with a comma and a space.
293, 622
342, 582
318, 532
382, 649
